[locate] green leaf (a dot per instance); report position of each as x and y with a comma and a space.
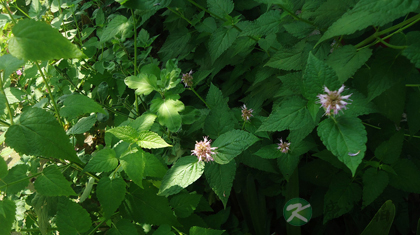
3, 102
168, 112
9, 64
7, 215
83, 125
16, 173
269, 152
110, 194
154, 167
143, 83
144, 122
43, 207
221, 40
14, 95
176, 44
103, 160
76, 105
391, 102
134, 165
340, 197
151, 140
183, 173
291, 114
119, 24
205, 231
412, 108
50, 44
190, 115
53, 183
374, 183
299, 29
164, 230
330, 11
169, 76
347, 60
412, 52
317, 75
122, 227
220, 7
344, 137
144, 206
382, 221
3, 168
288, 58
231, 144
185, 204
220, 179
72, 218
38, 133
360, 105
125, 133
267, 23
407, 178
369, 12
389, 151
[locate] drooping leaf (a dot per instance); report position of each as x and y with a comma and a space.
220, 7
231, 144
110, 194
15, 174
143, 83
291, 114
72, 218
374, 183
53, 183
38, 133
366, 13
103, 160
167, 111
221, 40
75, 105
7, 215
145, 206
83, 125
382, 221
220, 178
50, 44
346, 138
185, 204
183, 173
122, 227
134, 165
407, 176
389, 151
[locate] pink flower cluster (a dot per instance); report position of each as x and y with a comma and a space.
203, 150
333, 101
284, 147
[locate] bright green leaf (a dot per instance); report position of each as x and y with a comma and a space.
220, 179
374, 183
143, 83
76, 105
53, 183
50, 44
231, 144
144, 122
103, 160
134, 165
151, 140
125, 133
110, 194
168, 112
7, 215
72, 218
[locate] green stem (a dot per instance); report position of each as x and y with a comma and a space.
378, 128
5, 123
8, 11
5, 97
199, 97
412, 85
49, 92
96, 228
391, 46
79, 168
136, 101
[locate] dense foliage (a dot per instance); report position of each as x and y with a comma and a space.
207, 116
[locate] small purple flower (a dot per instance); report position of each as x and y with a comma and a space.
19, 72
246, 113
187, 79
203, 150
283, 146
333, 101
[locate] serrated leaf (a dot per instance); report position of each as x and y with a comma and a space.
72, 218
291, 114
220, 7
16, 173
103, 160
269, 22
389, 151
38, 133
185, 204
145, 206
183, 173
125, 133
83, 125
288, 58
330, 11
220, 179
299, 29
195, 230
151, 140
347, 60
110, 194
221, 40
122, 227
344, 136
340, 197
144, 122
215, 97
76, 105
407, 176
374, 183
382, 221
9, 64
231, 144
119, 24
50, 44
134, 165
143, 83
369, 12
317, 75
7, 215
167, 111
359, 105
53, 183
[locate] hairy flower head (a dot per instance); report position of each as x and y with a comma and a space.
283, 146
19, 72
333, 101
246, 113
203, 150
187, 79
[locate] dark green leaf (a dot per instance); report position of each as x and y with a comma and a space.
374, 183
268, 22
7, 215
134, 165
412, 107
83, 125
110, 194
103, 160
389, 151
231, 144
15, 174
382, 221
407, 178
53, 183
220, 7
220, 41
10, 64
3, 168
164, 230
72, 218
122, 227
205, 231
391, 102
76, 105
288, 58
185, 204
220, 179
